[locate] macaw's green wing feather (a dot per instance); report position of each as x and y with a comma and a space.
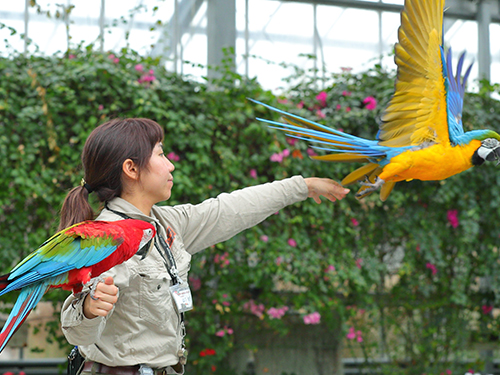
78, 246
417, 112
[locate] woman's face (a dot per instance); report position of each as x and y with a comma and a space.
156, 179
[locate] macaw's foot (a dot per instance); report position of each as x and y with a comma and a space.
370, 187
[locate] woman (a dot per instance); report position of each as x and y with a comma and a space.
133, 321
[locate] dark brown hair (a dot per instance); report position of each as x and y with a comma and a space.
105, 150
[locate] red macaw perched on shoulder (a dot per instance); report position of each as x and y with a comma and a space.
69, 260
421, 134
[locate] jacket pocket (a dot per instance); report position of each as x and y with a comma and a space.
155, 304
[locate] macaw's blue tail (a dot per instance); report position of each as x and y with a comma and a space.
27, 300
345, 148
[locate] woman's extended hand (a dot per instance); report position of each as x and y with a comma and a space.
106, 295
326, 187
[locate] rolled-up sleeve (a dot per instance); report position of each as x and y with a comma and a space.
218, 219
78, 329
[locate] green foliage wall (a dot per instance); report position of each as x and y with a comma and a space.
413, 279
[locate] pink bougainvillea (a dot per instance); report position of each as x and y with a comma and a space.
313, 318
452, 216
277, 313
321, 97
370, 103
432, 267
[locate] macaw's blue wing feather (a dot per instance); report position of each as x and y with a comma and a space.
347, 147
65, 251
26, 301
455, 97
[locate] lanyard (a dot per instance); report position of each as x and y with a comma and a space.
163, 248
171, 267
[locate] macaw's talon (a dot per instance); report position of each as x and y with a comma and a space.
92, 285
370, 187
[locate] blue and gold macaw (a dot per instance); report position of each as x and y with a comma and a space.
421, 134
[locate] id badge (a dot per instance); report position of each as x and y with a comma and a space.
182, 297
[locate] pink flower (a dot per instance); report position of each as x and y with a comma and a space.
292, 242
300, 105
278, 260
111, 57
229, 331
432, 267
453, 218
195, 283
313, 318
101, 107
370, 103
358, 336
359, 262
71, 56
330, 268
286, 152
172, 156
321, 97
275, 313
354, 222
139, 67
311, 152
222, 259
345, 69
264, 238
348, 109
346, 93
486, 309
257, 310
253, 174
320, 114
220, 333
146, 78
339, 107
226, 303
292, 141
278, 157
448, 371
352, 334
282, 101
116, 60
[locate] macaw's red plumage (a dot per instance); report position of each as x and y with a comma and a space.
69, 260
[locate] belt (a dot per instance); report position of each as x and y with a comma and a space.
99, 368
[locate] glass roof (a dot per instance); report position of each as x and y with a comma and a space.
269, 31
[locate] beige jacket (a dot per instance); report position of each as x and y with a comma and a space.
144, 326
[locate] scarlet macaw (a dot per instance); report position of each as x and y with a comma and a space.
421, 134
69, 260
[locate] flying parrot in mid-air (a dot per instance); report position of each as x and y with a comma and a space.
69, 260
421, 134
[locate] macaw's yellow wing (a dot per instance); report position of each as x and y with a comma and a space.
417, 112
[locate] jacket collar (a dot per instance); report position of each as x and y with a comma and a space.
121, 205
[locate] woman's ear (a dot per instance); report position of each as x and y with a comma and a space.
130, 169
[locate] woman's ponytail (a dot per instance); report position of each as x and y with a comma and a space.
76, 207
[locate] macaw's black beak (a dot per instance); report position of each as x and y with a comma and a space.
144, 251
496, 155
